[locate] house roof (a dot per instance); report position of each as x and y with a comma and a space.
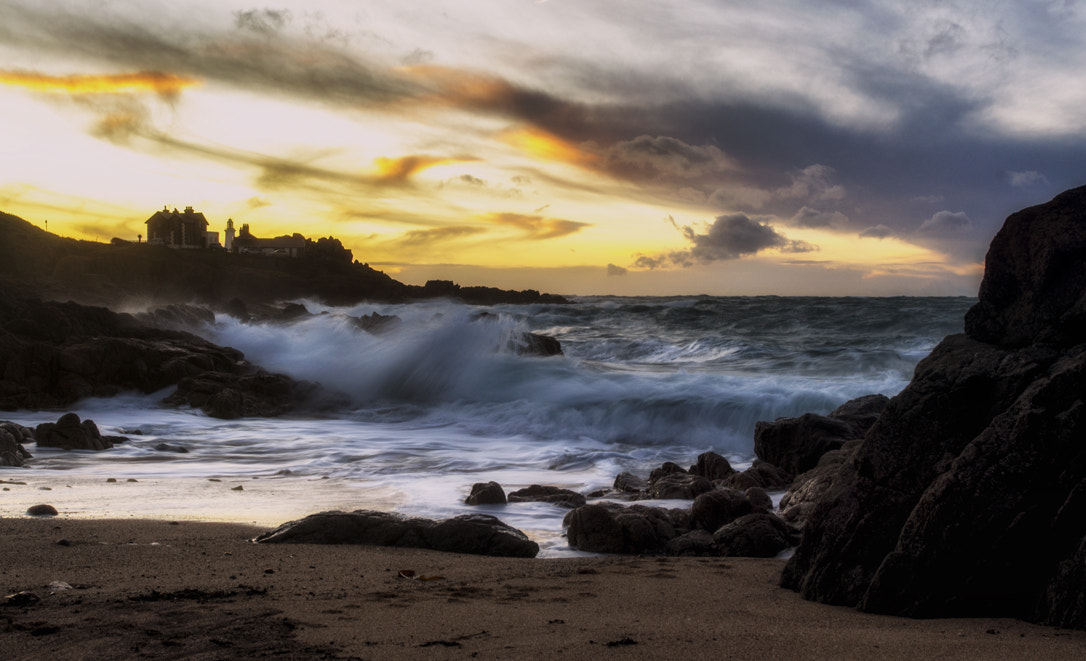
187, 215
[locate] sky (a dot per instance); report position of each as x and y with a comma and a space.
585, 147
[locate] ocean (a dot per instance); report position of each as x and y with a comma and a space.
437, 402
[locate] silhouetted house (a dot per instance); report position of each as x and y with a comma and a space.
180, 230
280, 246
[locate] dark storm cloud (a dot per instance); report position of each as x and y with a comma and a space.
613, 270
809, 217
731, 237
728, 237
661, 156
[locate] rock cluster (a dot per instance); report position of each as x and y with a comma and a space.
478, 534
968, 495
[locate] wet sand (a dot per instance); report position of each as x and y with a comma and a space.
192, 590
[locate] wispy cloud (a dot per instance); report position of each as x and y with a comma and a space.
164, 84
537, 228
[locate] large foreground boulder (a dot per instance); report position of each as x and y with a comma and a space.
968, 495
478, 534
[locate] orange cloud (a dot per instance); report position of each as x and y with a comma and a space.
166, 84
537, 227
546, 146
399, 170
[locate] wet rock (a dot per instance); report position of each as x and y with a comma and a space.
230, 396
628, 483
478, 534
376, 323
612, 528
759, 499
712, 466
693, 543
166, 447
796, 444
71, 433
756, 535
713, 509
678, 485
759, 474
12, 437
180, 317
486, 493
534, 344
42, 510
547, 494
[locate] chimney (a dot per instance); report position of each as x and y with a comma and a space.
188, 210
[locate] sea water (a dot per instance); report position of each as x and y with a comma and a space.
438, 401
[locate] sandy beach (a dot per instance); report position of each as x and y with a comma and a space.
194, 590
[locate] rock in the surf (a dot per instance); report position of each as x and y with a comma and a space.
71, 433
486, 493
12, 437
547, 494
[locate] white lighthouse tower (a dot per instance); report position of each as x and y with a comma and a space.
228, 235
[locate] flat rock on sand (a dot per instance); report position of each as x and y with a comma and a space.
160, 589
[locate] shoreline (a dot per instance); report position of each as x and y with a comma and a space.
183, 589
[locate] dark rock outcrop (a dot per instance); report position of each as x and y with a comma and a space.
231, 395
796, 444
968, 495
54, 354
12, 437
547, 494
477, 534
486, 493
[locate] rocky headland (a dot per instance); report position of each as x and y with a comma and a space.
967, 496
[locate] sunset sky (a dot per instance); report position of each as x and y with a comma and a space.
579, 147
